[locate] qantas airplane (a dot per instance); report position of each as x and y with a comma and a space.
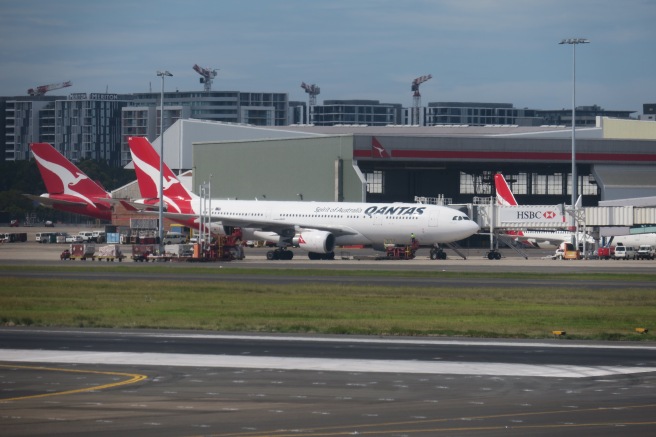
316, 227
69, 189
505, 197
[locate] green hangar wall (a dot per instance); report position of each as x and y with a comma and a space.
317, 168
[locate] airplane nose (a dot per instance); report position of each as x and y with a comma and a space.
475, 228
469, 228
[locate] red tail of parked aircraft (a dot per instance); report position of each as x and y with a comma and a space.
69, 188
505, 197
146, 165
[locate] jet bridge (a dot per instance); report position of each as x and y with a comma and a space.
496, 218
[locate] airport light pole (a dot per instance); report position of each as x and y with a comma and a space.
574, 42
161, 74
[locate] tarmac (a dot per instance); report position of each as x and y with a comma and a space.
538, 260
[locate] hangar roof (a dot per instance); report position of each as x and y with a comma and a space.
450, 130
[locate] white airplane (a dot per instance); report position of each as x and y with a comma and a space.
635, 240
536, 238
316, 227
554, 238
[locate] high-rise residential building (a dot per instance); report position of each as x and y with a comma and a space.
89, 127
25, 118
368, 112
479, 114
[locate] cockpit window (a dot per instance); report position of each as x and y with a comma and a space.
460, 217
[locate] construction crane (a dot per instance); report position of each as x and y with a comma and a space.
41, 90
313, 90
208, 75
416, 97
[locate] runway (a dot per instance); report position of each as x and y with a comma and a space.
180, 383
191, 383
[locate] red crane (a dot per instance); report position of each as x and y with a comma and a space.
207, 74
41, 90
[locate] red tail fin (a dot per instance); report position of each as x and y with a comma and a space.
504, 195
146, 165
377, 149
62, 176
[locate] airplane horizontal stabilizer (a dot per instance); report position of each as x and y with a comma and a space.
50, 202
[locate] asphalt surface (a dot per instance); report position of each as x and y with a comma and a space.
153, 383
164, 383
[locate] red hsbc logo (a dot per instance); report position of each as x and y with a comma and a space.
535, 215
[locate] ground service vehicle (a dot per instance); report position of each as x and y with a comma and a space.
86, 236
606, 252
624, 252
174, 238
567, 251
646, 252
98, 236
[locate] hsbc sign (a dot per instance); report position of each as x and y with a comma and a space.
550, 216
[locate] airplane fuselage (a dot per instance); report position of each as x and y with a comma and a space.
350, 223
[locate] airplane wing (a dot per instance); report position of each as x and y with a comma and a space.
48, 201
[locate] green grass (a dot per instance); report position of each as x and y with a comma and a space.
333, 308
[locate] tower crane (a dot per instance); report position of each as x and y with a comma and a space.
313, 90
41, 90
416, 97
207, 76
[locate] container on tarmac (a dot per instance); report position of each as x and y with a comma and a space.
83, 250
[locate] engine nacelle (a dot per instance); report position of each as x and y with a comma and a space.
316, 241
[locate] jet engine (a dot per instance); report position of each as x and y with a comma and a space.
316, 241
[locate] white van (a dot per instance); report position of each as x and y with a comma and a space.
625, 252
98, 236
174, 238
86, 236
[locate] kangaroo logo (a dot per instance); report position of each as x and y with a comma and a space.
66, 177
377, 149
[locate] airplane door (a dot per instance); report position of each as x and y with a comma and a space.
433, 218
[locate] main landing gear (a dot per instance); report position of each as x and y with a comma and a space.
280, 253
437, 253
284, 254
494, 254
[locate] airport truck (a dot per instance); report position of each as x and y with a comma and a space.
646, 251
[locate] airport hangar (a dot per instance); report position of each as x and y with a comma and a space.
616, 159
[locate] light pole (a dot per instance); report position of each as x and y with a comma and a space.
575, 183
573, 42
161, 74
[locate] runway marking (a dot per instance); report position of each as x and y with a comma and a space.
318, 364
357, 429
133, 378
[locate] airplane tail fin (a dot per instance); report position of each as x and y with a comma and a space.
146, 165
505, 197
61, 176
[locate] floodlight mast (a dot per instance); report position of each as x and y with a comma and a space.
574, 42
161, 74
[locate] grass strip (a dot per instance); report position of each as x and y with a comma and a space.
330, 308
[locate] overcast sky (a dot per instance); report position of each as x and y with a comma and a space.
476, 50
